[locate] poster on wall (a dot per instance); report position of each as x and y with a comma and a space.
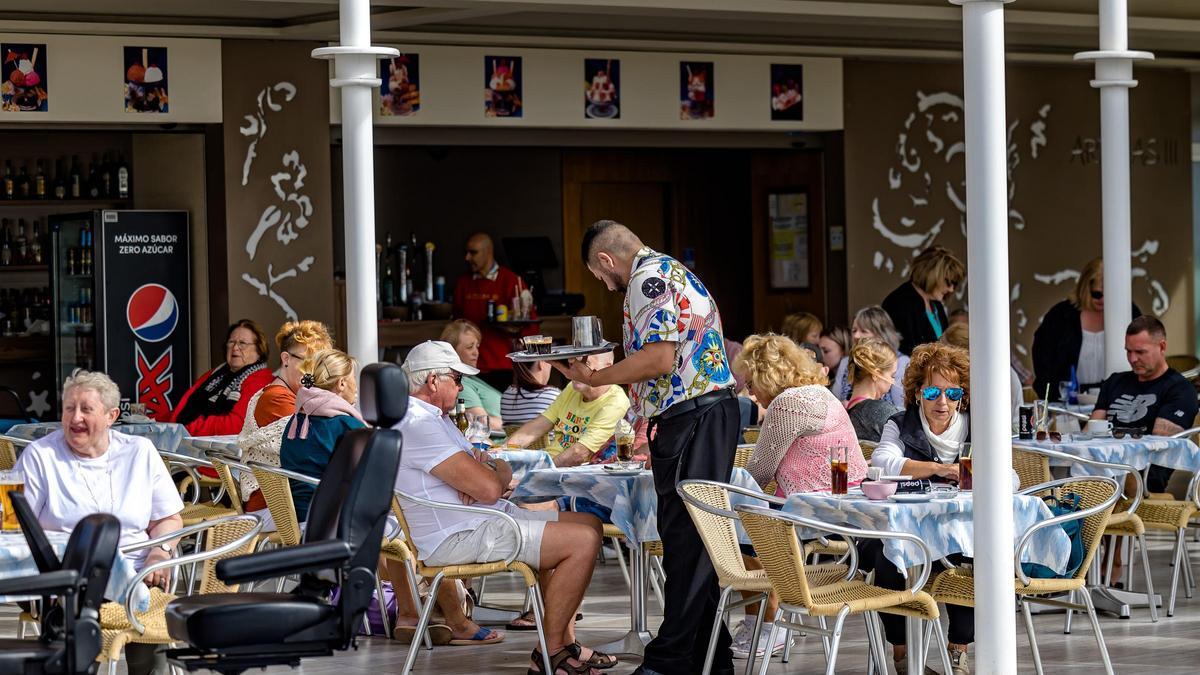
787, 215
502, 79
25, 87
602, 89
401, 88
697, 90
146, 80
787, 91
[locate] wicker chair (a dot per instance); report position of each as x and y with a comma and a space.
8, 455
197, 512
868, 449
533, 594
750, 434
774, 537
220, 464
708, 504
1031, 466
120, 624
538, 443
956, 586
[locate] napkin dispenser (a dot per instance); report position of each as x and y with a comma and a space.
920, 486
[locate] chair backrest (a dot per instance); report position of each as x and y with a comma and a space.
1182, 362
868, 449
8, 455
741, 456
220, 535
750, 434
277, 492
1092, 493
780, 553
383, 394
538, 443
410, 549
1032, 468
716, 531
227, 479
43, 553
11, 407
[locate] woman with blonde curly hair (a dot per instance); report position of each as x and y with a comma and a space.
872, 372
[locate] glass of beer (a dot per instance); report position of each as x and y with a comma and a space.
10, 482
625, 438
839, 468
966, 479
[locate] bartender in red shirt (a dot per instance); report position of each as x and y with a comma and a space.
488, 280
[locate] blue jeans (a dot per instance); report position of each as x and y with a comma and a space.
585, 505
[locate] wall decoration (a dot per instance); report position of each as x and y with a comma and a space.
787, 219
602, 88
697, 90
146, 80
401, 88
787, 91
502, 81
256, 124
25, 87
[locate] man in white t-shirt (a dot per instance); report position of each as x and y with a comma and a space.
438, 464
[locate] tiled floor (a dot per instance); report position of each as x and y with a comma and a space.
1136, 645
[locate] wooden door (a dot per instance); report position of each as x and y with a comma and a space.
643, 208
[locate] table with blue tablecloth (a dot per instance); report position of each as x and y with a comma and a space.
523, 461
945, 525
16, 560
1139, 453
165, 436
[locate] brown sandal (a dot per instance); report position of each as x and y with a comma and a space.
559, 663
599, 659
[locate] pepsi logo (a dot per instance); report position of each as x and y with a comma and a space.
152, 313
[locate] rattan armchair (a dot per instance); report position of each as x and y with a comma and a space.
774, 537
533, 594
956, 586
197, 512
868, 449
538, 443
121, 624
8, 455
708, 505
750, 434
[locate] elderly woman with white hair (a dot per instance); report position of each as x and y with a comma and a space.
87, 468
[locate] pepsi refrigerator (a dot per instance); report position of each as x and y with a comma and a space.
121, 286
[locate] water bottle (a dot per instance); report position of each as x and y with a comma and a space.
1073, 390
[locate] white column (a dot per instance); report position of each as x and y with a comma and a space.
355, 77
1114, 79
987, 282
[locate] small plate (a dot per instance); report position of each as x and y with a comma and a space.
912, 498
622, 472
894, 479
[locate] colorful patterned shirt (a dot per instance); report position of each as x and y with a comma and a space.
665, 302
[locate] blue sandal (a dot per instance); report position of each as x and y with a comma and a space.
484, 636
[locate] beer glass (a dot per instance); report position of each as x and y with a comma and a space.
10, 482
839, 468
966, 479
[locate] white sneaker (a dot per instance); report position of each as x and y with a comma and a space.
741, 639
763, 641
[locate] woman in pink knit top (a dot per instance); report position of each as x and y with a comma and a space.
803, 418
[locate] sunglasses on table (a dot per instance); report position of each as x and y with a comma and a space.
932, 393
1135, 434
1049, 435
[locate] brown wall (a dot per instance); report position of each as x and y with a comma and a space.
903, 121
298, 255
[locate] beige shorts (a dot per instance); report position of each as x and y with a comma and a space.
494, 541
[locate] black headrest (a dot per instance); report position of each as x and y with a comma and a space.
383, 394
91, 551
355, 495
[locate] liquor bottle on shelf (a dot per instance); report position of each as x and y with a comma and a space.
71, 264
59, 184
75, 182
6, 246
94, 185
388, 296
122, 177
39, 181
9, 180
21, 255
106, 177
35, 245
23, 182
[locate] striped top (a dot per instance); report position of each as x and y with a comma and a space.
518, 406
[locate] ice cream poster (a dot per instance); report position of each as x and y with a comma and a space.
502, 86
787, 91
401, 89
25, 88
601, 89
697, 90
146, 80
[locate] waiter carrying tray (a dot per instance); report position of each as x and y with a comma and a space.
681, 382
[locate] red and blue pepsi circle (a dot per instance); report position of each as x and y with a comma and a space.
152, 313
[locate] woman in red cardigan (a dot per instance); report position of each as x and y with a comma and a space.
216, 403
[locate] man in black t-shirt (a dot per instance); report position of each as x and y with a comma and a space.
1151, 398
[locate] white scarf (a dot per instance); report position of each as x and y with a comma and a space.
947, 444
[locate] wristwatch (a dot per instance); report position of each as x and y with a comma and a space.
167, 547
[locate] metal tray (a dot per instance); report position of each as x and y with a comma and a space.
562, 353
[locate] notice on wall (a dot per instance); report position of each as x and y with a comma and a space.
146, 80
401, 94
697, 90
502, 82
602, 89
26, 87
787, 215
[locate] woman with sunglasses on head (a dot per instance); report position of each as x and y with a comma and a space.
1072, 334
916, 305
216, 403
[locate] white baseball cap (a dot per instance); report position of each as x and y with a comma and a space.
434, 354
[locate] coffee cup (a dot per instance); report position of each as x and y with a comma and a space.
1099, 428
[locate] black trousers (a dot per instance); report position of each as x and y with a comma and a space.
887, 575
696, 444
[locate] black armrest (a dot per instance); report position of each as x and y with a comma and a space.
49, 583
320, 555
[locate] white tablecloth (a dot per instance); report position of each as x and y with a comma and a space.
196, 446
1175, 453
945, 525
16, 560
164, 435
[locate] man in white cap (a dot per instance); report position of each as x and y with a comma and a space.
439, 464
